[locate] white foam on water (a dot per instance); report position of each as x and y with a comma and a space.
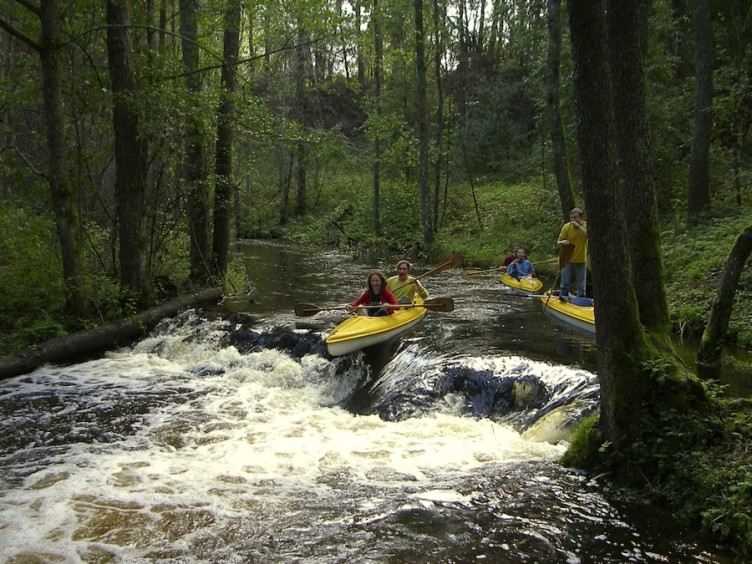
251, 435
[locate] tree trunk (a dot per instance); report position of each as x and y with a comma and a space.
300, 78
359, 47
698, 192
377, 67
636, 381
558, 139
223, 190
709, 354
438, 22
620, 338
635, 166
195, 173
104, 337
681, 48
66, 214
421, 111
131, 156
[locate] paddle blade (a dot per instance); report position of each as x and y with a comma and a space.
565, 253
306, 310
470, 272
547, 261
439, 304
452, 261
473, 271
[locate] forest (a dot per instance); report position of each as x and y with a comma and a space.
139, 139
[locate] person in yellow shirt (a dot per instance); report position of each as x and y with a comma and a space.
574, 233
405, 287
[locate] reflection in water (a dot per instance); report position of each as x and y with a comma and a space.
236, 440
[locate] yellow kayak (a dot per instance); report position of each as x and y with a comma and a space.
575, 312
360, 331
523, 285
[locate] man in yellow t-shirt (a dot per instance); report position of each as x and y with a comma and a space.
405, 287
574, 233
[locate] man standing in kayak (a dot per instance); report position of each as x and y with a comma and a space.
574, 233
405, 287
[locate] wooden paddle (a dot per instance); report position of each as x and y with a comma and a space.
565, 253
435, 304
473, 271
450, 262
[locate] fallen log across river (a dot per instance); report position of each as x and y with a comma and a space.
101, 337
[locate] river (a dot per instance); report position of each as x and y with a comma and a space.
238, 439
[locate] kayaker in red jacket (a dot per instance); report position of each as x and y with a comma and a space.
376, 294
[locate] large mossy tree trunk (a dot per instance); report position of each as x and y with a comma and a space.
626, 51
709, 354
635, 379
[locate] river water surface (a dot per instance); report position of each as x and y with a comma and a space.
238, 439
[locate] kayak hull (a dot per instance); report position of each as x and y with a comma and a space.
361, 331
527, 286
581, 317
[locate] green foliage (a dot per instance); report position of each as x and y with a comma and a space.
520, 213
30, 277
708, 477
658, 368
694, 462
694, 257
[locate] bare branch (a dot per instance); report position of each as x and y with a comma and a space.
18, 34
29, 6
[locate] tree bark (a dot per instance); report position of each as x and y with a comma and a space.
422, 117
637, 382
620, 338
378, 47
66, 213
131, 156
300, 78
223, 190
635, 165
439, 19
709, 354
100, 338
195, 174
558, 139
698, 191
